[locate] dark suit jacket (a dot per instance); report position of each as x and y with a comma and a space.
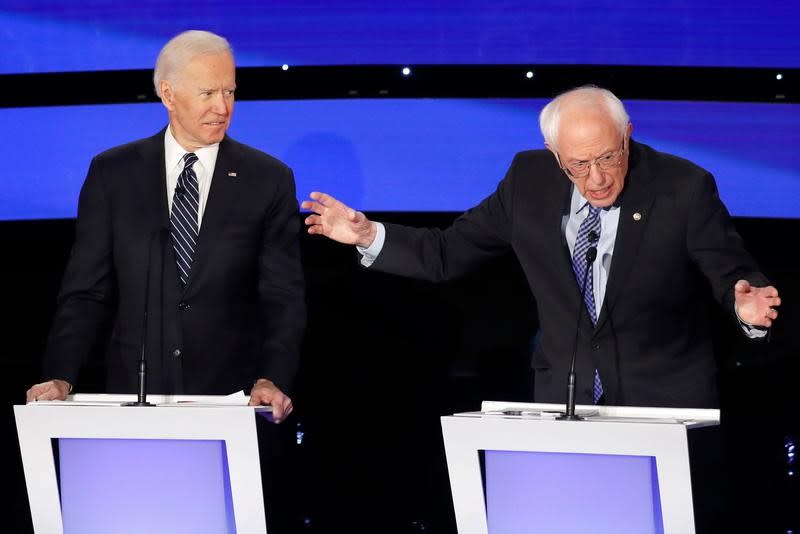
652, 342
241, 315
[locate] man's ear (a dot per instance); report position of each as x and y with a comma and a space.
167, 95
552, 150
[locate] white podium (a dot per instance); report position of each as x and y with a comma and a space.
189, 464
515, 468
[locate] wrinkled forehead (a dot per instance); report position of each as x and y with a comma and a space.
587, 132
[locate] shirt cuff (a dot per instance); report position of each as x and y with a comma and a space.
370, 254
751, 331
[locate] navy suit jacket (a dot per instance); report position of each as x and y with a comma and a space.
652, 343
242, 313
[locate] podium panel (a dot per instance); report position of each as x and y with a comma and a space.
568, 492
515, 468
183, 485
189, 464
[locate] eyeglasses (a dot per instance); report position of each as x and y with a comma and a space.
581, 169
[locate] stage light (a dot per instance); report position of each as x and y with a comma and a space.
406, 71
285, 67
529, 74
779, 76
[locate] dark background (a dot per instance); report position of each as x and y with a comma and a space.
385, 357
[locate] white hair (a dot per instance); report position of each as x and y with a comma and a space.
550, 116
182, 49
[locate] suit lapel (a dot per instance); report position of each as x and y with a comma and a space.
221, 198
154, 174
564, 205
633, 219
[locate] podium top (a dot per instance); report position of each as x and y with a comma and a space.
694, 417
187, 401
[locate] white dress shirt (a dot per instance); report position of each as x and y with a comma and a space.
203, 168
609, 221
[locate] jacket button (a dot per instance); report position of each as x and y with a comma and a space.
595, 346
184, 306
176, 353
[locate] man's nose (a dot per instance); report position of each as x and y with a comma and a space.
220, 104
595, 174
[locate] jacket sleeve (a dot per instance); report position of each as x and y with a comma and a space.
86, 300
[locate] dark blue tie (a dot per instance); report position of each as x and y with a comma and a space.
184, 219
588, 234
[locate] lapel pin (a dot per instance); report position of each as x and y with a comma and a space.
637, 216
232, 174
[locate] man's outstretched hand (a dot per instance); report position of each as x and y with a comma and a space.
756, 305
337, 221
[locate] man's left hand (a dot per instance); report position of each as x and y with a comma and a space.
266, 392
756, 305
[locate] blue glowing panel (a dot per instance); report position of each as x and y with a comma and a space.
135, 485
538, 492
53, 35
405, 154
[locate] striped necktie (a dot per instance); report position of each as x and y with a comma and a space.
588, 234
184, 217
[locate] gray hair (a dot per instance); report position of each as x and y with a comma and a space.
550, 116
182, 49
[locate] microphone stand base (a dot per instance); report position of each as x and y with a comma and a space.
573, 417
137, 403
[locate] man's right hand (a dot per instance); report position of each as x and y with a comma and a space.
336, 221
50, 390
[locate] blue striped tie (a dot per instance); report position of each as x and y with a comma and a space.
183, 219
588, 232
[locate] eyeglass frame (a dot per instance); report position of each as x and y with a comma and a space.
617, 153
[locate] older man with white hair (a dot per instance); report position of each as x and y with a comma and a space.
608, 231
196, 229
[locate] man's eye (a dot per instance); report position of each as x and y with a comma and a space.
581, 165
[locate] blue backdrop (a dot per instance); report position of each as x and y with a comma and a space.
404, 154
54, 35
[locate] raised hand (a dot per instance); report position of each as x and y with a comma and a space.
756, 305
337, 221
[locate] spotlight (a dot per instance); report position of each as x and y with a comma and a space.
529, 74
284, 67
779, 76
406, 71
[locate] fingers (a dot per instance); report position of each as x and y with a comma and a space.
47, 391
32, 394
742, 286
281, 408
267, 393
316, 207
770, 292
323, 198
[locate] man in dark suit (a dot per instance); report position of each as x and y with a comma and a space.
199, 230
657, 226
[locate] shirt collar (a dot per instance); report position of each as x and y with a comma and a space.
174, 152
579, 203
